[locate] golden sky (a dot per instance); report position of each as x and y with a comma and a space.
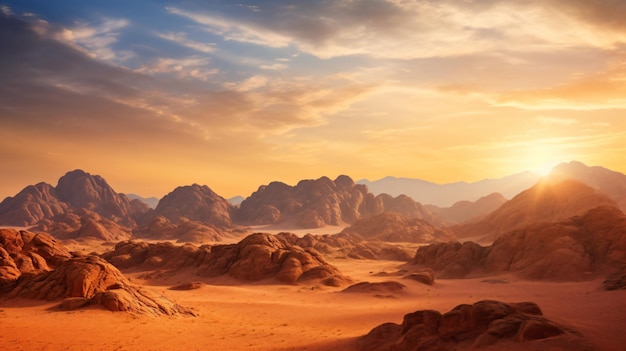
157, 94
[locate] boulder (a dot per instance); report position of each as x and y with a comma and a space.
484, 323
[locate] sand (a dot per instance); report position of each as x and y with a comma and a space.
268, 316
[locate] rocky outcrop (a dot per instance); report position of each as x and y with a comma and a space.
569, 250
548, 201
81, 205
258, 256
393, 227
482, 324
261, 256
344, 245
83, 224
91, 280
465, 211
189, 214
26, 253
320, 202
36, 266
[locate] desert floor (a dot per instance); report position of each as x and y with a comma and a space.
267, 316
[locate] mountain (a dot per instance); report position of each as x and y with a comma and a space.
605, 180
570, 249
320, 202
152, 202
237, 200
192, 213
445, 195
548, 201
464, 211
75, 190
392, 227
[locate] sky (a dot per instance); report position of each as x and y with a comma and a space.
155, 94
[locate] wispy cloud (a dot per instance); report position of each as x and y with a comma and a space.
181, 38
96, 40
556, 120
190, 67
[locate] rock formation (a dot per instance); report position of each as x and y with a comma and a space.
26, 253
379, 288
320, 202
482, 324
80, 205
261, 256
548, 201
571, 249
36, 266
393, 227
465, 211
258, 256
189, 214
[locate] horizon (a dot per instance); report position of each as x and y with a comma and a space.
245, 195
157, 94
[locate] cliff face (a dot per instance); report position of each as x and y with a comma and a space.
320, 202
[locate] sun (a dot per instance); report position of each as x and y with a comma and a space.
543, 170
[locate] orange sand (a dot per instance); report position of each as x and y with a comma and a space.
266, 316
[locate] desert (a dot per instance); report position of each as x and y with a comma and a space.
380, 276
359, 175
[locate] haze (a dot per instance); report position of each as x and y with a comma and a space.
156, 94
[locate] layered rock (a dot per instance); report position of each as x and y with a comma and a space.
548, 201
320, 202
258, 256
26, 253
572, 249
482, 324
83, 224
36, 266
261, 256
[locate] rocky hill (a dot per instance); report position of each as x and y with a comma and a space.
604, 180
548, 201
576, 248
320, 202
191, 213
76, 194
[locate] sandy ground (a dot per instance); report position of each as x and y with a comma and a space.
266, 316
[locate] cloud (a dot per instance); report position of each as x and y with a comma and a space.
406, 29
96, 40
189, 67
181, 39
603, 90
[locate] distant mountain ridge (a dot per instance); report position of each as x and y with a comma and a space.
446, 195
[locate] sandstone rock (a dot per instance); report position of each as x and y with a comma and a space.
320, 202
187, 286
261, 256
393, 227
481, 324
569, 250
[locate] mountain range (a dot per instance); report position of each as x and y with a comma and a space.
83, 205
445, 195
